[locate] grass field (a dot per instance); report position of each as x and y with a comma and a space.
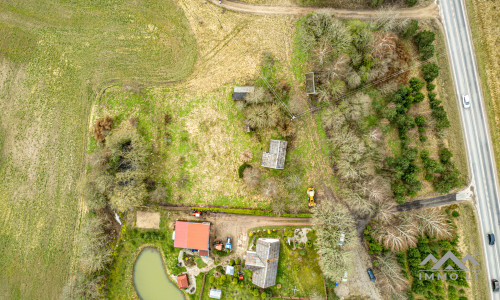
470, 242
53, 57
483, 22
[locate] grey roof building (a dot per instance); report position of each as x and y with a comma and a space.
215, 294
264, 262
310, 84
275, 158
240, 92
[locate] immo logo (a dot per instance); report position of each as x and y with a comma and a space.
449, 271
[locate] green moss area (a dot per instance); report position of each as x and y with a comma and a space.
120, 284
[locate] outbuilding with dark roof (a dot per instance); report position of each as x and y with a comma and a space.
240, 92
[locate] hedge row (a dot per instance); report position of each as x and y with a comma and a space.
246, 211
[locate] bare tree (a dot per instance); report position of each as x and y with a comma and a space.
270, 188
286, 127
94, 199
81, 286
392, 280
278, 207
353, 80
398, 235
259, 95
159, 195
251, 176
92, 239
246, 156
293, 182
433, 223
263, 115
385, 212
333, 220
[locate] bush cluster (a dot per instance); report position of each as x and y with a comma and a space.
243, 211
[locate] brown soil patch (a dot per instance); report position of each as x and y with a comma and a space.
147, 220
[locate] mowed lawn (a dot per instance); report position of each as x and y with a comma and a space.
54, 57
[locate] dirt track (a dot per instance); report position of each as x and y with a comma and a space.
430, 11
237, 226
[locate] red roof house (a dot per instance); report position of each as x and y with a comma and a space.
182, 281
192, 235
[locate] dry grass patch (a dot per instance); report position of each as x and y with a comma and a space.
470, 242
483, 19
147, 220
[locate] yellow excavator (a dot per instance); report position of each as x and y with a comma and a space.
310, 194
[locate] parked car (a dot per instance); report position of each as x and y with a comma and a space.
496, 286
372, 276
491, 238
466, 101
344, 278
341, 239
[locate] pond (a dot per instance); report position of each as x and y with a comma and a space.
150, 279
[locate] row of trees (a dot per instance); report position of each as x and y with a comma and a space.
411, 236
117, 180
333, 220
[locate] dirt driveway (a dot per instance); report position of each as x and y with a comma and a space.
430, 11
237, 226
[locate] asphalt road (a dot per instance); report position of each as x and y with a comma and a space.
477, 137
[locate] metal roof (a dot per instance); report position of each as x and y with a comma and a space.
244, 89
192, 235
230, 270
215, 293
264, 262
275, 158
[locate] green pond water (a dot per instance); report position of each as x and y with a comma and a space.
150, 279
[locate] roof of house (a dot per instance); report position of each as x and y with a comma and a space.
244, 89
238, 96
240, 92
230, 270
310, 85
192, 235
215, 293
182, 281
203, 253
264, 262
275, 158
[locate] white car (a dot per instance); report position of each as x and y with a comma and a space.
466, 101
344, 278
342, 239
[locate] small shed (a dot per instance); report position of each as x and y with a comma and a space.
230, 270
275, 158
240, 92
182, 281
215, 294
310, 84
